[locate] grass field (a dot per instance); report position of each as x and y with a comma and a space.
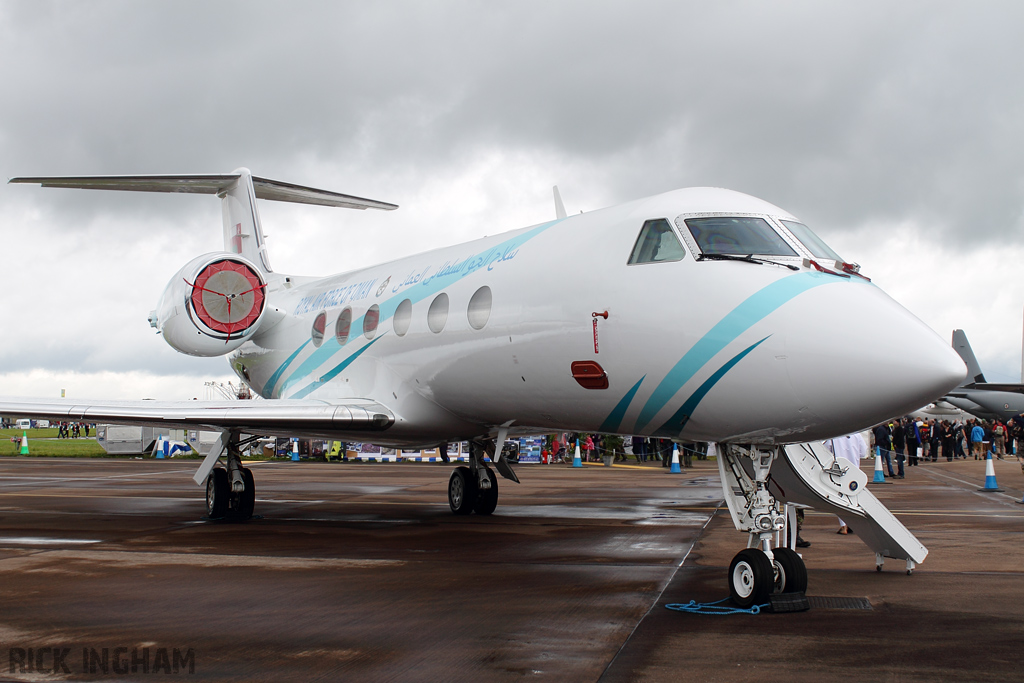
45, 442
48, 433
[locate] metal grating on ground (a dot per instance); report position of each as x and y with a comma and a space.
826, 602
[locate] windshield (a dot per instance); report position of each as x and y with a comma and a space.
737, 235
813, 243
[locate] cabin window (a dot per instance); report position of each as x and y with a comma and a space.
739, 235
403, 318
343, 326
319, 324
479, 308
656, 242
814, 244
370, 320
437, 315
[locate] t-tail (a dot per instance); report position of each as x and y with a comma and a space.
220, 295
963, 348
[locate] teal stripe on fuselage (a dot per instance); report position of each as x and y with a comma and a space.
334, 372
753, 309
675, 424
614, 419
268, 388
415, 293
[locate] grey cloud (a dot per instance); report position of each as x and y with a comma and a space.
848, 113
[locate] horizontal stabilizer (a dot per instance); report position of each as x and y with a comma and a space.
265, 188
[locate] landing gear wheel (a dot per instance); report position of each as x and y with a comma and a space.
487, 500
790, 572
751, 578
462, 493
247, 499
217, 493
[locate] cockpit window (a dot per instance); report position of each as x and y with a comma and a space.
737, 235
814, 244
656, 242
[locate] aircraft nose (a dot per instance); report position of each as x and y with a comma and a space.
881, 360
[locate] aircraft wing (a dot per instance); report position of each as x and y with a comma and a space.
993, 386
264, 417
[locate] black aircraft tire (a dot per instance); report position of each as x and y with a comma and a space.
217, 493
487, 500
247, 499
462, 493
791, 574
751, 578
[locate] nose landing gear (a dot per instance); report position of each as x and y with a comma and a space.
765, 566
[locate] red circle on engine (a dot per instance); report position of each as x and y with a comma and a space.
228, 296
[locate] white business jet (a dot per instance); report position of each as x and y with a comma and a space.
700, 314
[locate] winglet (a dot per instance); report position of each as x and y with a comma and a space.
963, 348
559, 207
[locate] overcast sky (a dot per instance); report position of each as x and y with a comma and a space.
895, 130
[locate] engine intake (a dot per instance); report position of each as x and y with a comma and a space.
212, 305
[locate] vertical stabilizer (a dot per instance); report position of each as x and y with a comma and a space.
559, 207
243, 233
963, 348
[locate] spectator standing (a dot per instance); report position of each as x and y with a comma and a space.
640, 449
588, 447
947, 440
899, 443
883, 440
934, 434
977, 438
913, 441
999, 439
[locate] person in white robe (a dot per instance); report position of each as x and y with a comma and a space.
853, 447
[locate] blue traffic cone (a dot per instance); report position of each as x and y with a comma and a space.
577, 461
160, 447
879, 475
675, 461
295, 450
990, 475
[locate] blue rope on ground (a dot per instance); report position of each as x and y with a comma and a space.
716, 607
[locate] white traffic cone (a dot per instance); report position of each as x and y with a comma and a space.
879, 474
990, 475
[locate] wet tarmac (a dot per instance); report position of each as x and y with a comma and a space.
360, 572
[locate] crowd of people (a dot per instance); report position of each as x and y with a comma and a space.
593, 447
72, 430
911, 441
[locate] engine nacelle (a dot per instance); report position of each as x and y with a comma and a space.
212, 305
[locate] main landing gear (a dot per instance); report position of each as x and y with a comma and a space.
475, 488
231, 491
765, 566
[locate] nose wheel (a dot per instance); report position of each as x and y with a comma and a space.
790, 571
751, 578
